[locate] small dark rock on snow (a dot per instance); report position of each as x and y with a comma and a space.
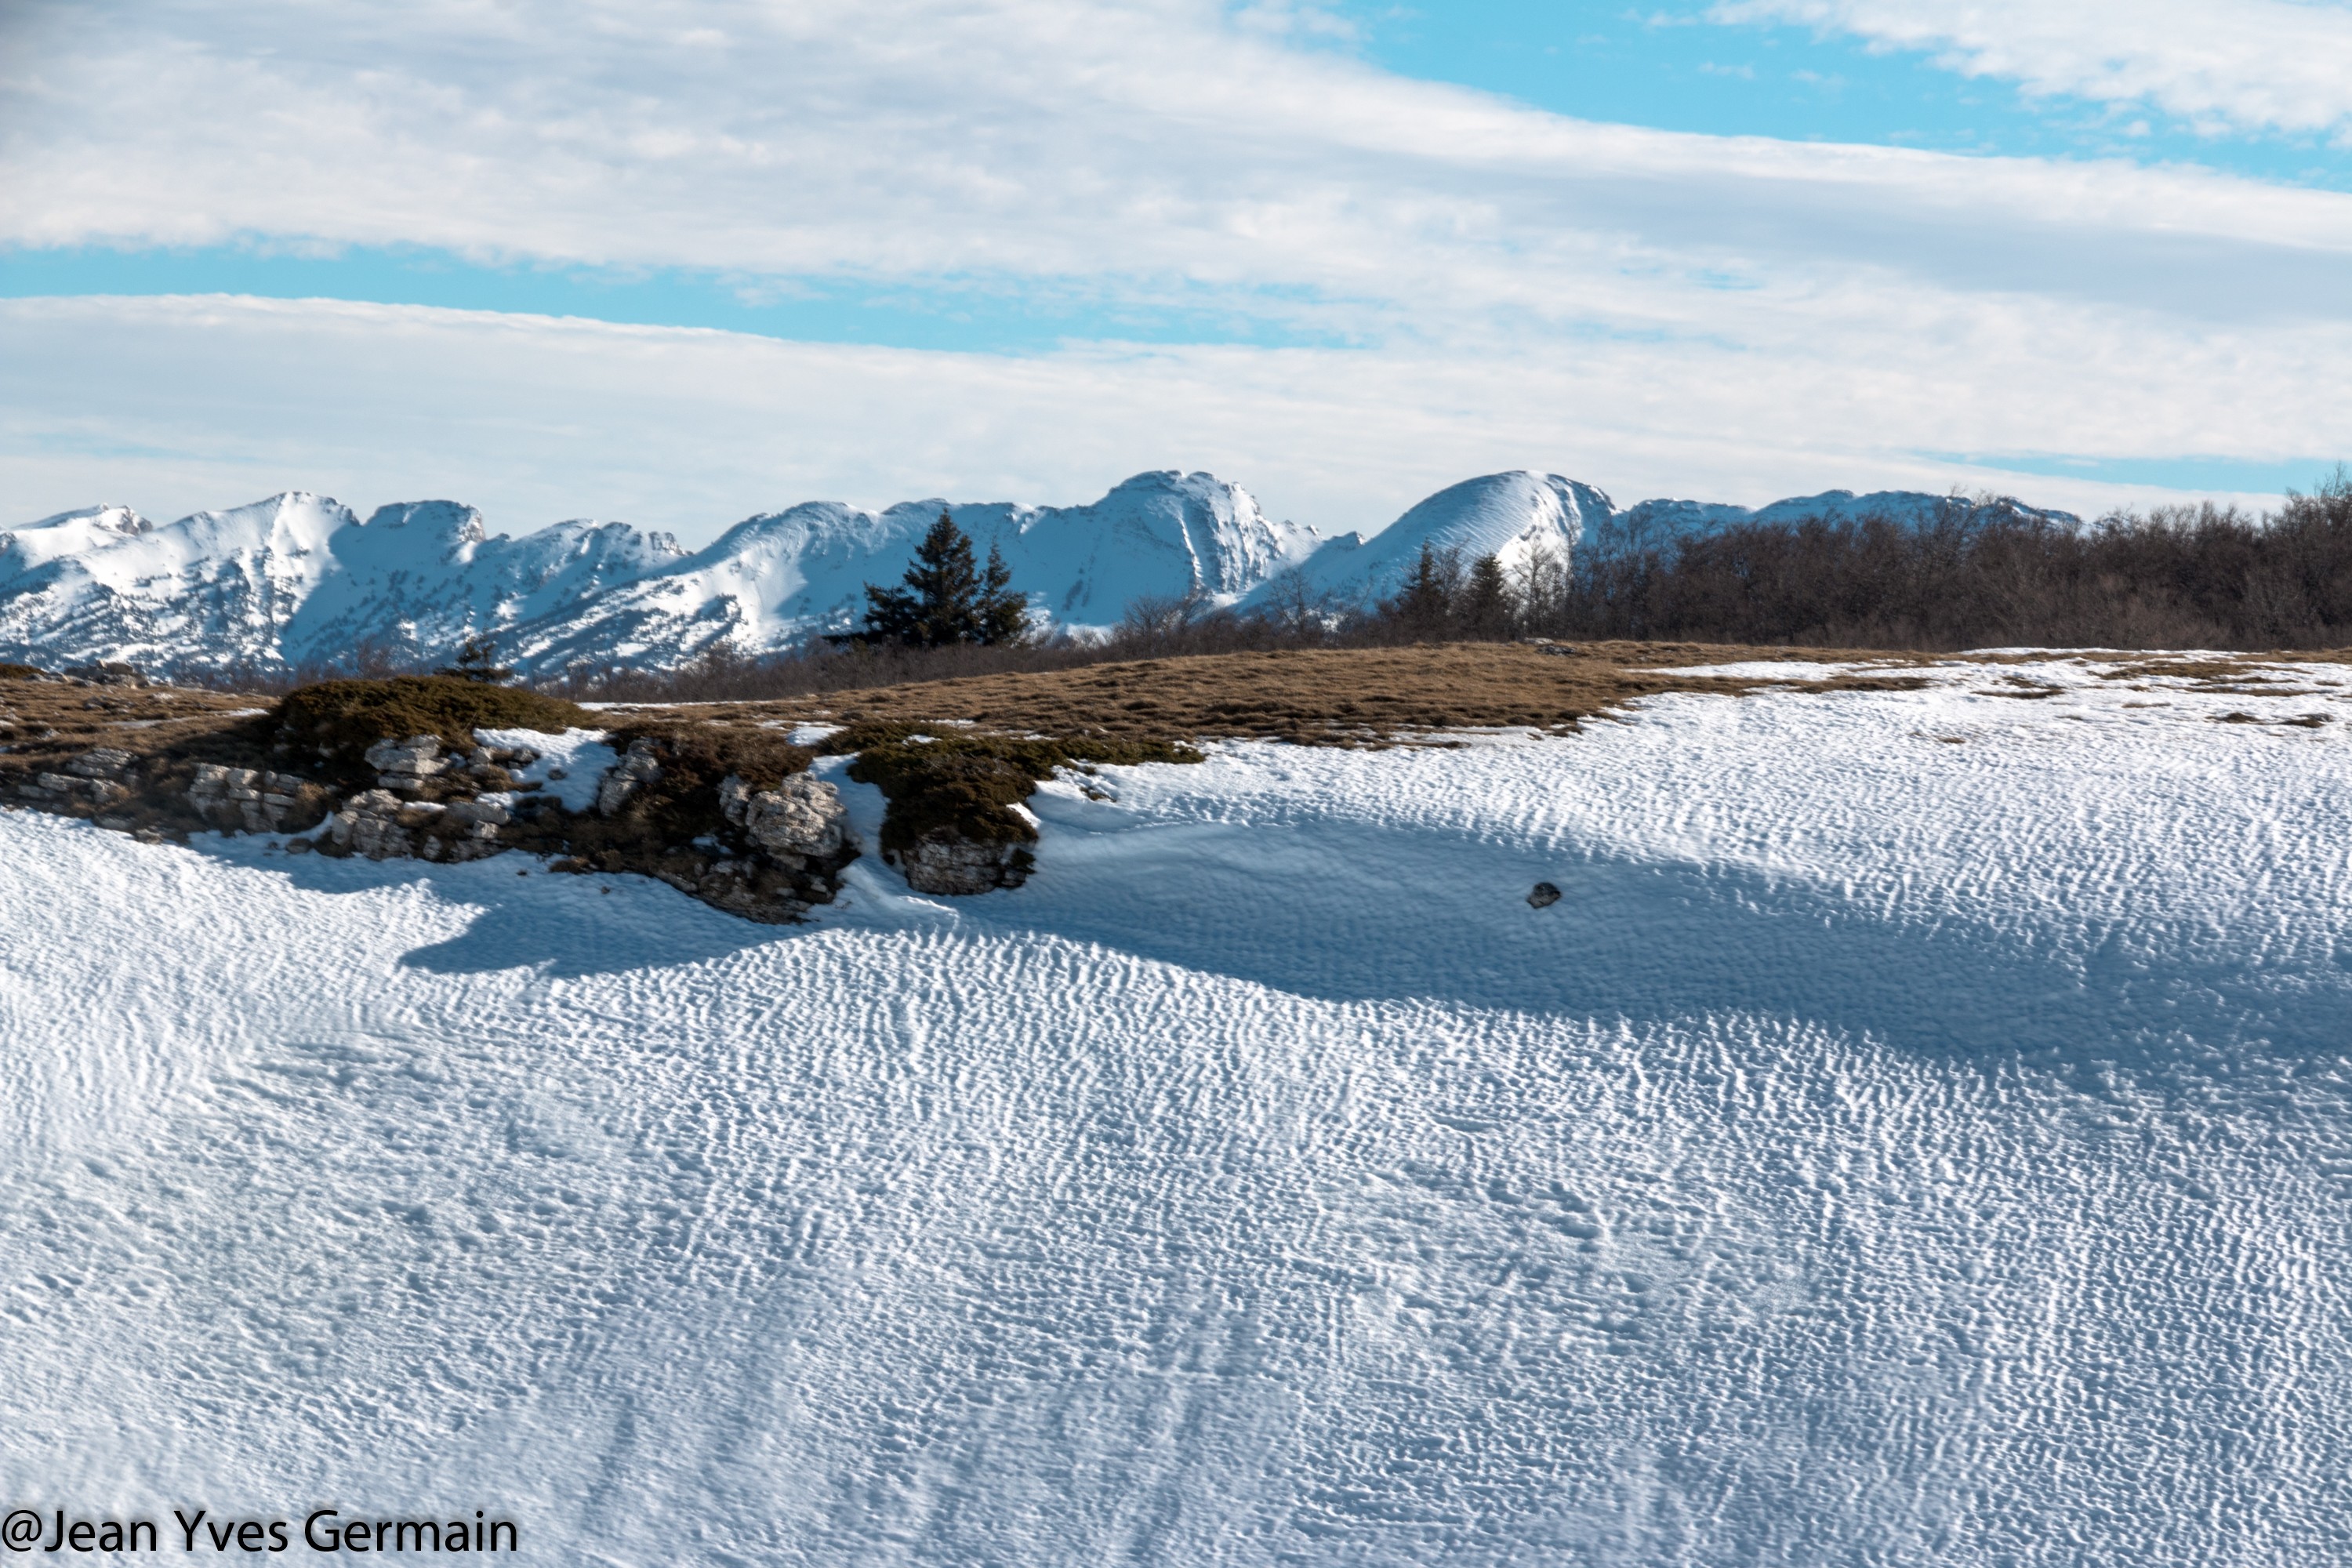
1544, 895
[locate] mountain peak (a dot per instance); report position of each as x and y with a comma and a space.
297, 578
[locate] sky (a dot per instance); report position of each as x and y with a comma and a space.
676, 263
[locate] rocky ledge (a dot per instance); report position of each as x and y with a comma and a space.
766, 854
724, 810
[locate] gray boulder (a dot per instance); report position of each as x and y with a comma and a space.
801, 819
949, 863
632, 773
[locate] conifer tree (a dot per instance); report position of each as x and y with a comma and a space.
1425, 604
1486, 609
1004, 614
478, 660
948, 598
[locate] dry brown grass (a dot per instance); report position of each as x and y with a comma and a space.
43, 723
1346, 697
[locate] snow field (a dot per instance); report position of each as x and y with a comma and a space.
1920, 1134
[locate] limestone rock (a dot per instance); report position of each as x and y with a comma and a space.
369, 824
404, 766
71, 787
734, 798
253, 799
479, 813
418, 754
949, 863
105, 763
382, 826
801, 819
637, 769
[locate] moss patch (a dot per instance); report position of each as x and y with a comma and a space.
962, 785
344, 717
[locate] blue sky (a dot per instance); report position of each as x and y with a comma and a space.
1671, 66
1678, 67
1732, 249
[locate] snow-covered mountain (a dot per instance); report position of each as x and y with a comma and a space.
300, 579
1651, 523
773, 579
1512, 516
297, 579
68, 533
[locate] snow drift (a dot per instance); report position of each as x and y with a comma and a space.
1920, 1134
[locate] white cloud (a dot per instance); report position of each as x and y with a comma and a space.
184, 403
1658, 313
1145, 144
2280, 65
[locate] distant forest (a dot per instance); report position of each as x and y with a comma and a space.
2181, 577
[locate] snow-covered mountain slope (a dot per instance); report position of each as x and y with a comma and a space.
1511, 516
219, 586
68, 533
1920, 1134
1652, 523
771, 580
299, 579
422, 577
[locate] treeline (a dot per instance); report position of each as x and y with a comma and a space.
1979, 575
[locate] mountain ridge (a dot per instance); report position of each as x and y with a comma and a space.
299, 579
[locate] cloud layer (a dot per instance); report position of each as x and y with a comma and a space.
197, 402
1142, 142
2268, 65
1657, 313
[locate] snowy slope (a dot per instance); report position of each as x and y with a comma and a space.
422, 577
1511, 516
68, 533
1652, 523
225, 583
771, 580
299, 579
1919, 1135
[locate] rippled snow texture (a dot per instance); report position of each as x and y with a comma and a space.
1920, 1134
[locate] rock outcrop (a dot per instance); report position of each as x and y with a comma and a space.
800, 820
380, 826
949, 863
96, 778
640, 767
254, 800
724, 810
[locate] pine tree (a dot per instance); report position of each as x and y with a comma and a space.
948, 598
1004, 614
1486, 609
478, 660
1426, 605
